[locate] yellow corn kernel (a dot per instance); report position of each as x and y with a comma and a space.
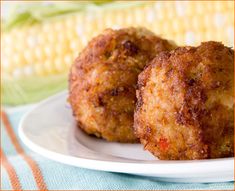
40, 54
59, 64
29, 56
49, 67
28, 70
68, 60
18, 60
38, 67
49, 50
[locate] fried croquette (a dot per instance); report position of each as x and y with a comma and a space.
102, 81
185, 103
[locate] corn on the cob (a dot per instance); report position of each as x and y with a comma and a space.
49, 48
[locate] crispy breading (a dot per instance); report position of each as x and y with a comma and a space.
102, 81
185, 103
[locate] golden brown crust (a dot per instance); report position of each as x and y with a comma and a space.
185, 103
103, 79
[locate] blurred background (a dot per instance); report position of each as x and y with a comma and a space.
40, 39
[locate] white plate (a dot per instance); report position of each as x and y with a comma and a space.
50, 130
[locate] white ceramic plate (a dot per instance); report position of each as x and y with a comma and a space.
50, 130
